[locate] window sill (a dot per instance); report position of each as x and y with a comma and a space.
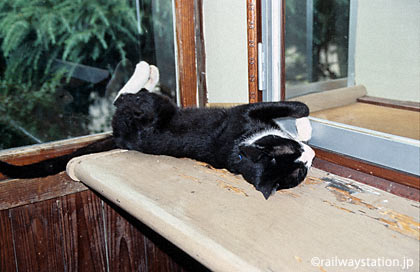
392, 181
217, 217
38, 152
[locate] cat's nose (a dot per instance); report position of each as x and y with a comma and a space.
307, 155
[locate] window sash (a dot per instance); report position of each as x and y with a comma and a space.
368, 145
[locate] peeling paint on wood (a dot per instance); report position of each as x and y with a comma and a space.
313, 180
345, 196
402, 223
338, 207
231, 188
203, 211
343, 191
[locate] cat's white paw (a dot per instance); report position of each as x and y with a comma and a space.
153, 78
137, 80
307, 156
304, 129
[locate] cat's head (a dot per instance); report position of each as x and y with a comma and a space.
277, 163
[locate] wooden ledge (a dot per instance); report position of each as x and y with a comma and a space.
223, 222
38, 152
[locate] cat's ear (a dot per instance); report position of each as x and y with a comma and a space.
252, 152
267, 189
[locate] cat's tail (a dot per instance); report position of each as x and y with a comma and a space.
55, 165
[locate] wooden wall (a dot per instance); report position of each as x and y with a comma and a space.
77, 231
56, 224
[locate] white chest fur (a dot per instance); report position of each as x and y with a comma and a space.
299, 130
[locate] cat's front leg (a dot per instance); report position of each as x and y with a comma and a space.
304, 129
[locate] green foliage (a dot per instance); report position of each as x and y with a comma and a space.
35, 33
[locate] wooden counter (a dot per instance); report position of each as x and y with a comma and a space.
224, 223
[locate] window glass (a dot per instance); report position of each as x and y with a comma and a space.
356, 65
316, 40
63, 61
373, 42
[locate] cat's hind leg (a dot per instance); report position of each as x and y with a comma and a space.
267, 111
153, 78
137, 80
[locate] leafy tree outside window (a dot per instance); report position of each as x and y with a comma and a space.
61, 62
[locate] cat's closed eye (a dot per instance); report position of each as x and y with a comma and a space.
273, 161
138, 113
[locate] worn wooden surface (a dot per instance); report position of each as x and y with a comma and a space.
367, 178
405, 105
369, 168
38, 152
252, 36
201, 53
135, 247
7, 252
82, 232
186, 51
396, 121
19, 192
221, 220
323, 101
126, 245
37, 237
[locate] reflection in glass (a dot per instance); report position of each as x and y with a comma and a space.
384, 35
63, 61
316, 40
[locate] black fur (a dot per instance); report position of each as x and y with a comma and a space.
152, 124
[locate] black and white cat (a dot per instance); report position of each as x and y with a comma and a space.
244, 139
